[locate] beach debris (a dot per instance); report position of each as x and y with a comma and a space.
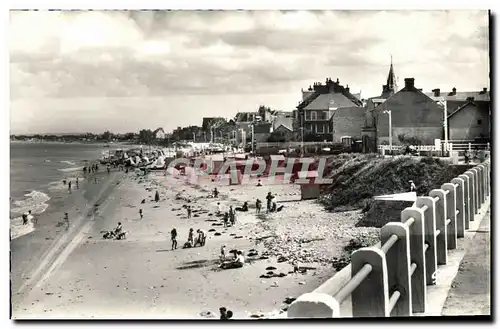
217, 233
289, 300
270, 273
302, 282
238, 237
270, 268
274, 284
211, 230
257, 315
252, 254
282, 259
264, 276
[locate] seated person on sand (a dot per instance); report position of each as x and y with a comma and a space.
243, 208
259, 183
238, 262
215, 193
118, 229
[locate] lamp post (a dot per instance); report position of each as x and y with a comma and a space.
390, 128
444, 103
252, 126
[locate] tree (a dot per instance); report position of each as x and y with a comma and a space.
107, 135
146, 136
128, 136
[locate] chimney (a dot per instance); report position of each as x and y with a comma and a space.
347, 88
454, 91
470, 99
436, 92
485, 90
409, 83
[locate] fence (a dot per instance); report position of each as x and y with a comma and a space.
391, 280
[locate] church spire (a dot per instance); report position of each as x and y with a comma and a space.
391, 79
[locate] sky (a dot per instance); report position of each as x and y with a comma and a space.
90, 71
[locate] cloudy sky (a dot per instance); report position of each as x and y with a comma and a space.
124, 71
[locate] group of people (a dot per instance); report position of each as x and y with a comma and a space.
237, 261
26, 217
191, 241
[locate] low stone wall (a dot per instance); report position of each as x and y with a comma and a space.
391, 278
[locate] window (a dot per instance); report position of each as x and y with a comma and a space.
479, 121
307, 116
314, 116
320, 128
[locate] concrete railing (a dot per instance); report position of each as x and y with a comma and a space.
390, 279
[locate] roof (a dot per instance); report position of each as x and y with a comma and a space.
476, 104
325, 101
346, 112
282, 121
462, 95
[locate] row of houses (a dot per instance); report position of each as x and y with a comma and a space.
329, 111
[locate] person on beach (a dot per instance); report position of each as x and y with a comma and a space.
215, 193
226, 219
66, 218
25, 219
413, 188
157, 196
77, 184
108, 169
258, 206
232, 216
202, 236
140, 213
191, 236
269, 199
223, 253
84, 171
69, 186
95, 180
188, 211
118, 229
173, 237
223, 313
33, 218
242, 208
218, 208
259, 183
238, 262
96, 167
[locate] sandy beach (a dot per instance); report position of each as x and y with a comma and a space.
140, 277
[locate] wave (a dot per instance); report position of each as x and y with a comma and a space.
71, 169
17, 229
47, 160
71, 163
36, 201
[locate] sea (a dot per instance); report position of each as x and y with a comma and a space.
37, 171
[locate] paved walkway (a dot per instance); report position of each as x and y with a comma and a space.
470, 290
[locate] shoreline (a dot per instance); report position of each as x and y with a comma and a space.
95, 281
30, 250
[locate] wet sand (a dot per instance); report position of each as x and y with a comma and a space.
142, 278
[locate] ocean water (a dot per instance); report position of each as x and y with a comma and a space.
37, 171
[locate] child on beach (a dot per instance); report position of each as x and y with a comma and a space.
173, 237
189, 211
218, 208
258, 205
223, 252
140, 213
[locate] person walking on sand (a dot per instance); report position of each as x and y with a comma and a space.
215, 193
108, 169
173, 237
188, 211
77, 183
226, 219
25, 219
140, 213
69, 186
66, 218
157, 196
258, 206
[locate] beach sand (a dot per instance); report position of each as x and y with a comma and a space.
142, 278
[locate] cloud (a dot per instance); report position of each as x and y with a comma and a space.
64, 56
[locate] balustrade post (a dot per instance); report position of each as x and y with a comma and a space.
417, 257
314, 305
460, 206
477, 202
371, 297
429, 237
398, 266
441, 215
472, 193
482, 171
467, 199
451, 214
479, 173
